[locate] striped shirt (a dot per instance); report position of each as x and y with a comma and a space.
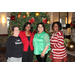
57, 44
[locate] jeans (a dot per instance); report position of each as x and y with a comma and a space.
14, 59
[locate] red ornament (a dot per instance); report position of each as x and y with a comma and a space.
35, 61
71, 24
51, 56
45, 21
12, 18
34, 31
32, 20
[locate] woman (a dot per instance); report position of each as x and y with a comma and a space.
57, 44
41, 43
27, 40
14, 47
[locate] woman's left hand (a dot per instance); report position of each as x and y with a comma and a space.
42, 54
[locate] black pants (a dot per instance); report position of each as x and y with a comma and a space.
41, 59
28, 56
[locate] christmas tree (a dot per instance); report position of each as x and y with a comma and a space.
20, 18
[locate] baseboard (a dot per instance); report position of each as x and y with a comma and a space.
3, 34
3, 48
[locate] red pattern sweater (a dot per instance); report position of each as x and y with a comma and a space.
58, 48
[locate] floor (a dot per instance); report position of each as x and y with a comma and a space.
71, 58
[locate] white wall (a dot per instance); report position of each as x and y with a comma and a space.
3, 27
69, 17
54, 16
8, 14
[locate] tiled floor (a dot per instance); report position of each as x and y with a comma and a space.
71, 58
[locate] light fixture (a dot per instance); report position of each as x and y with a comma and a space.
3, 19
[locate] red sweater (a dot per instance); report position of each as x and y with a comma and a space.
58, 48
25, 41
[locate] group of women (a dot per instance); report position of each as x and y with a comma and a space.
22, 45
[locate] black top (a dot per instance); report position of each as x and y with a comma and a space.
29, 41
14, 47
28, 38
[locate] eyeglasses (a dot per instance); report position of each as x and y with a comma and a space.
40, 27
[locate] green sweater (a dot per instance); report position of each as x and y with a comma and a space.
40, 41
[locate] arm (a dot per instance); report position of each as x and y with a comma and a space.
60, 41
8, 48
46, 44
45, 49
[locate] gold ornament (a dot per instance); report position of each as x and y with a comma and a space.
37, 13
46, 12
48, 22
71, 46
27, 13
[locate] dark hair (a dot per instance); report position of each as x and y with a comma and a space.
14, 27
26, 25
59, 24
38, 25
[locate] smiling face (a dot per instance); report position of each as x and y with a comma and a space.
40, 28
56, 27
16, 31
28, 27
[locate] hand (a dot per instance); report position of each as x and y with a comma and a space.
50, 46
42, 54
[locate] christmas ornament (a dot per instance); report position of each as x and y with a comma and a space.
71, 24
19, 15
27, 13
44, 20
34, 31
46, 12
71, 46
51, 55
37, 13
24, 16
35, 61
32, 20
48, 22
12, 18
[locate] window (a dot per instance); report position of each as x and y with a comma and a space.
8, 20
63, 18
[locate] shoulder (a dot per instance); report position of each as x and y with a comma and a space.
10, 38
32, 34
46, 34
21, 32
35, 34
19, 37
60, 33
